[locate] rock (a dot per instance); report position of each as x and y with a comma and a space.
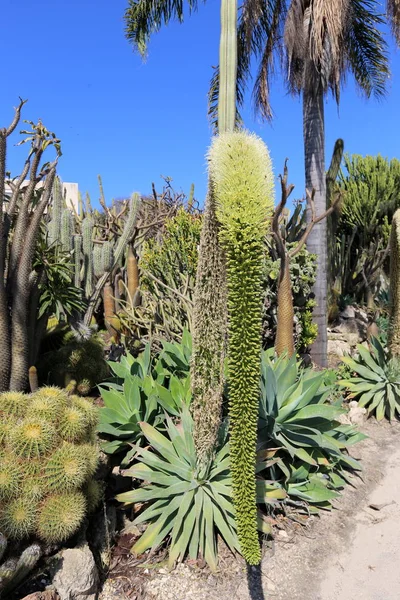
75, 576
282, 534
348, 313
46, 595
361, 315
339, 347
356, 414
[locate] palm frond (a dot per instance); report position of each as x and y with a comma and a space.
145, 17
272, 47
393, 11
367, 50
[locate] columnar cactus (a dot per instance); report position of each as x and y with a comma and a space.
394, 323
242, 180
87, 235
77, 259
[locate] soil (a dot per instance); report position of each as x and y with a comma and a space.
349, 553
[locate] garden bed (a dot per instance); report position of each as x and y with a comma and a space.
295, 564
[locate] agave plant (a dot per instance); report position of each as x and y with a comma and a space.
143, 390
187, 506
301, 442
377, 386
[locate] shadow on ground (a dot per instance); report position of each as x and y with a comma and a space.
254, 582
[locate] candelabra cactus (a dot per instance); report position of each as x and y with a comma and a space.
242, 180
48, 460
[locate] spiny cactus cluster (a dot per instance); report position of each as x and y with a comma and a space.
78, 365
48, 458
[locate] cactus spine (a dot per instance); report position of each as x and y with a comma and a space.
394, 323
241, 174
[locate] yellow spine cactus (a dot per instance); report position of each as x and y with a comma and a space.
242, 179
394, 325
48, 457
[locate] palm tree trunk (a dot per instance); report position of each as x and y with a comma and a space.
314, 153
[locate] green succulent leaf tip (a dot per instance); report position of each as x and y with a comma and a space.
242, 179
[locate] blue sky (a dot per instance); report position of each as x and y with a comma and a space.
133, 122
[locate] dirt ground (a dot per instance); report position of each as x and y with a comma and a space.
348, 554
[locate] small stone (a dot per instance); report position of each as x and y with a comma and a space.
76, 576
282, 534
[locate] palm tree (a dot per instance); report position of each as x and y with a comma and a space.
316, 42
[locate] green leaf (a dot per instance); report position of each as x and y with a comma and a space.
160, 443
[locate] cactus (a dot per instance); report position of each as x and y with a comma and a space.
45, 407
242, 178
123, 240
19, 231
66, 469
73, 423
32, 438
87, 234
54, 227
81, 360
33, 379
394, 321
18, 518
94, 492
107, 257
14, 404
67, 230
77, 260
10, 478
60, 516
14, 570
44, 494
97, 261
